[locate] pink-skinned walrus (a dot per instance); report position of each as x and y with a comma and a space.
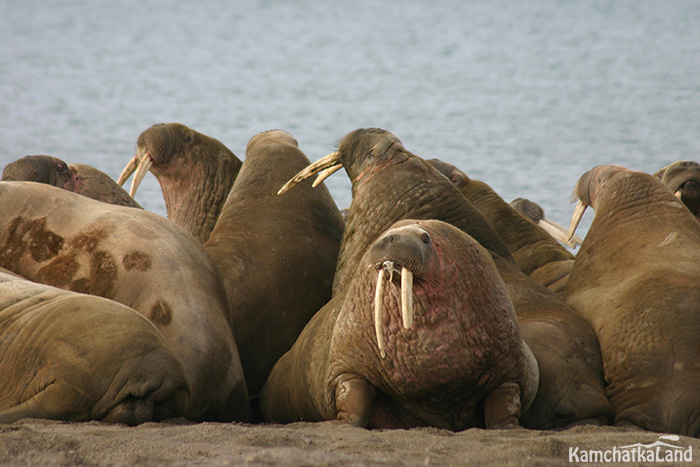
424, 334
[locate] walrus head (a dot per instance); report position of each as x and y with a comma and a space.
42, 169
400, 252
683, 179
195, 173
358, 150
157, 148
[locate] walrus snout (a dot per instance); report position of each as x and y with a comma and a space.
406, 247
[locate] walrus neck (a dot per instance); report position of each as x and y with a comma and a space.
521, 237
194, 200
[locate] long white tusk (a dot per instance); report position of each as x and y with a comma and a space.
324, 174
140, 173
310, 170
379, 312
406, 297
576, 218
128, 170
559, 232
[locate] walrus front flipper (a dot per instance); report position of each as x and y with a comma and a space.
56, 402
353, 399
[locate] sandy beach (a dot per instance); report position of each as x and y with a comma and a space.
178, 442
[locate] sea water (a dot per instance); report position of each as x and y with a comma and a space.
525, 96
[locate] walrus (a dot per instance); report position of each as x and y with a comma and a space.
389, 183
441, 349
78, 178
535, 251
571, 388
683, 179
535, 213
142, 260
277, 254
635, 280
75, 357
195, 173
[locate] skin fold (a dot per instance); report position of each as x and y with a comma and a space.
75, 357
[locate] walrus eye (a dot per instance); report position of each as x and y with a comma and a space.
425, 237
61, 167
187, 138
453, 179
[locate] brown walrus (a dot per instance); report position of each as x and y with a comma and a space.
389, 184
683, 179
78, 178
535, 251
442, 349
277, 254
571, 388
76, 357
635, 280
142, 260
195, 172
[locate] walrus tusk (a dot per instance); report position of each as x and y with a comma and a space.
324, 174
379, 312
576, 218
323, 163
141, 171
128, 170
559, 232
406, 297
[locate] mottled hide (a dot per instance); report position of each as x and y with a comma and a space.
139, 259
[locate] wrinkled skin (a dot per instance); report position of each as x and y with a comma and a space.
571, 388
277, 253
139, 259
195, 172
683, 179
534, 251
76, 357
635, 280
78, 178
431, 376
389, 184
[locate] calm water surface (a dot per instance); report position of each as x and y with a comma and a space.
524, 96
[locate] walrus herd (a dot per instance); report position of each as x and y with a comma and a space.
430, 301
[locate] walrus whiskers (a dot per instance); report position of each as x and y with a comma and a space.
379, 311
576, 218
406, 297
140, 173
323, 163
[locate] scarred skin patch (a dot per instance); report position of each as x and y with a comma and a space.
138, 260
43, 244
161, 313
